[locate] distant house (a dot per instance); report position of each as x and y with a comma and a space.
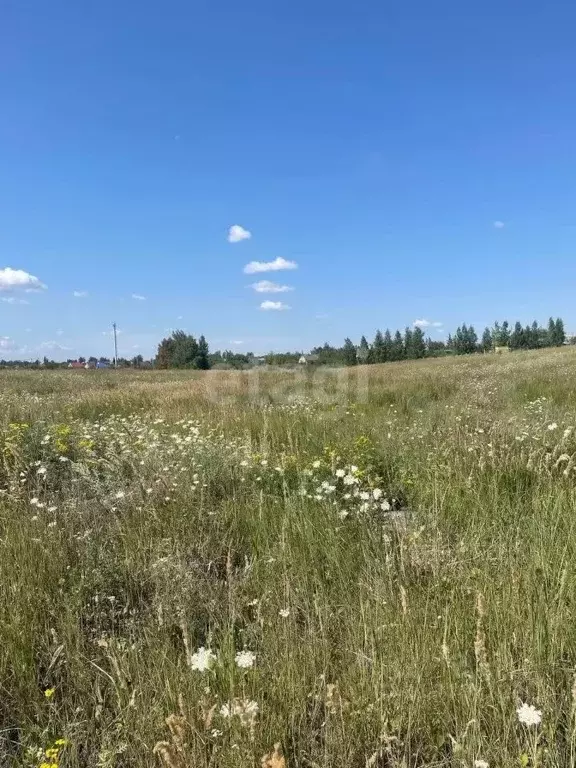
308, 360
102, 364
76, 364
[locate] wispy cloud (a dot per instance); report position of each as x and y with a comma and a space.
15, 279
236, 342
273, 306
269, 266
13, 300
236, 234
267, 286
427, 324
321, 316
498, 225
80, 294
138, 297
53, 346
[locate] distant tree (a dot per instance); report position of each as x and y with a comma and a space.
397, 351
560, 333
486, 343
535, 336
363, 350
387, 346
471, 341
81, 359
349, 349
450, 343
165, 353
137, 361
517, 337
418, 343
551, 340
435, 348
201, 361
408, 344
377, 352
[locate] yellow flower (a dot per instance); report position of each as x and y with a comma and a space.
49, 692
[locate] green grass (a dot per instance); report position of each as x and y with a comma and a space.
184, 515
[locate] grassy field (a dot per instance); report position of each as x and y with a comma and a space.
370, 568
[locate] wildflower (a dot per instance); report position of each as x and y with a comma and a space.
119, 495
49, 692
340, 472
215, 733
245, 659
52, 509
376, 493
41, 471
552, 426
246, 709
364, 495
34, 501
202, 660
529, 715
349, 480
284, 613
317, 464
481, 764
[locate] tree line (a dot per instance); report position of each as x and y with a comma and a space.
182, 350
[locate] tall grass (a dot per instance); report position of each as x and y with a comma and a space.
144, 516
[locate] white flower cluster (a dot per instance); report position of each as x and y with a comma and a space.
347, 490
204, 659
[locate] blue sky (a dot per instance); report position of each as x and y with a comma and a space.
374, 144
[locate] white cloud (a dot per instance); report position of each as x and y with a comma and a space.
13, 279
237, 343
13, 300
236, 234
427, 324
138, 297
180, 317
267, 286
269, 266
7, 344
499, 225
273, 305
59, 332
80, 294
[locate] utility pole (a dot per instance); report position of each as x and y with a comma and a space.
115, 346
